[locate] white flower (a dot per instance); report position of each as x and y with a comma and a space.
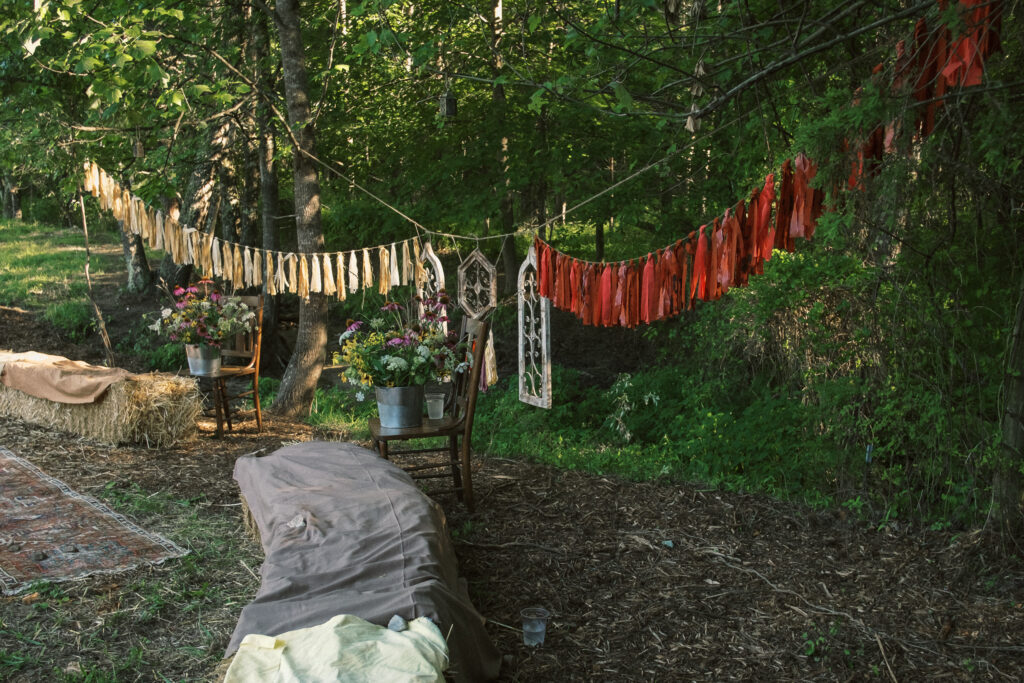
345, 335
360, 396
423, 351
395, 363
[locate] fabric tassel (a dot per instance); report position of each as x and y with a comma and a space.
293, 275
419, 272
206, 256
238, 272
190, 246
140, 219
169, 234
303, 288
158, 229
271, 279
215, 254
257, 267
353, 272
171, 239
330, 287
315, 275
384, 279
151, 227
490, 361
102, 194
395, 275
367, 270
247, 266
407, 271
340, 284
126, 210
227, 265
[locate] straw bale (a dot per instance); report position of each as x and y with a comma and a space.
249, 521
155, 410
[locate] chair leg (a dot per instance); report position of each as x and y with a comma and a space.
453, 459
218, 407
256, 402
382, 446
467, 476
224, 401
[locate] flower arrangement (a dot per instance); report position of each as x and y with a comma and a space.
390, 353
206, 319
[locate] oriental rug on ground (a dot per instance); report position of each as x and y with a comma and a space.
50, 533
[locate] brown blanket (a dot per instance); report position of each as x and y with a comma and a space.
56, 378
346, 532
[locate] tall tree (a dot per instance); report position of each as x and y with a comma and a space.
298, 386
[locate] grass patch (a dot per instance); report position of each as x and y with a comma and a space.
74, 318
41, 265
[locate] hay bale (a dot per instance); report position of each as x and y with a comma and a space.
250, 521
156, 410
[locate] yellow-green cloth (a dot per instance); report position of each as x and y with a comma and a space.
344, 649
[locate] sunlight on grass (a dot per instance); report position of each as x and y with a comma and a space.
41, 265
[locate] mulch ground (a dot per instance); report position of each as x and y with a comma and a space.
645, 581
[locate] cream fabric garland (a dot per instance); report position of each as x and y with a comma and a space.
367, 270
383, 280
395, 275
353, 272
329, 285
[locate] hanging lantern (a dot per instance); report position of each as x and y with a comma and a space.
448, 105
138, 149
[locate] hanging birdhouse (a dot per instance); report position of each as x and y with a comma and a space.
448, 105
138, 149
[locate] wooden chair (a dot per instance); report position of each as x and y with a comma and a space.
456, 425
240, 358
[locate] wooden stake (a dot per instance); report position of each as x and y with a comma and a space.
88, 282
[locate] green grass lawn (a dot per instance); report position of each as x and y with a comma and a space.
41, 265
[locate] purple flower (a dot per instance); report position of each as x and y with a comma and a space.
178, 291
215, 297
354, 325
391, 306
180, 304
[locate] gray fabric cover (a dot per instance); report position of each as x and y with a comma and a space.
370, 544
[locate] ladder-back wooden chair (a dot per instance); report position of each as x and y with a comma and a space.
456, 425
240, 358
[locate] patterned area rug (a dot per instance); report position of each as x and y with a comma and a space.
50, 533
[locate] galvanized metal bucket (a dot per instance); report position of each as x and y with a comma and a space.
400, 407
202, 359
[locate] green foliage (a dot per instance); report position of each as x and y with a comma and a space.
74, 318
142, 342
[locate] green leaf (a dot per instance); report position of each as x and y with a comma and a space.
623, 96
146, 47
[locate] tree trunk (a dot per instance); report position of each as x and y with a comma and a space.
15, 204
140, 279
508, 256
268, 189
1006, 514
295, 395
